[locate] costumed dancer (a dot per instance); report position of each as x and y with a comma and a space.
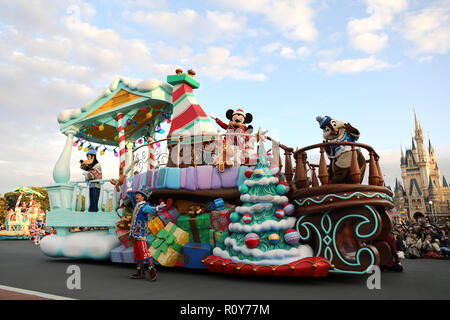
138, 232
93, 172
237, 125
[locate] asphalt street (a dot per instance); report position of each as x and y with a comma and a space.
23, 265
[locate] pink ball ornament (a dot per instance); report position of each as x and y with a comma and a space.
248, 173
247, 218
292, 237
274, 170
288, 208
251, 240
279, 213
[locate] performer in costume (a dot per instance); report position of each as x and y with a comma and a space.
93, 172
138, 231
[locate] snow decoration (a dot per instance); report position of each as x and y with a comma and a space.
262, 181
265, 198
254, 208
268, 225
276, 256
85, 244
142, 86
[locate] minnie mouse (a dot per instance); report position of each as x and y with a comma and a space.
238, 121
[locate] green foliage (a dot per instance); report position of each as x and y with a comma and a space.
9, 199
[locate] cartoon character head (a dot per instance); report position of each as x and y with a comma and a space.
332, 128
238, 118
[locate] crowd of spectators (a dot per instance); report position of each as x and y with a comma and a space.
422, 239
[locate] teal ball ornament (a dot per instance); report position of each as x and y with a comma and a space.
243, 189
234, 217
281, 189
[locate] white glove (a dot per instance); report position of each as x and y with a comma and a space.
160, 206
129, 190
212, 115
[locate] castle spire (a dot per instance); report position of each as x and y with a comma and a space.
444, 182
418, 127
402, 159
413, 145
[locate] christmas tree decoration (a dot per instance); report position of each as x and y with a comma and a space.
247, 218
279, 213
234, 217
248, 173
274, 238
243, 189
288, 208
101, 127
251, 240
282, 189
292, 237
148, 115
263, 224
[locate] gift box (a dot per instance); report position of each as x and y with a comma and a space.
197, 226
155, 225
217, 238
124, 238
150, 238
168, 246
221, 219
194, 253
169, 213
219, 204
122, 254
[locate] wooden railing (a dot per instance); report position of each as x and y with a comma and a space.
301, 158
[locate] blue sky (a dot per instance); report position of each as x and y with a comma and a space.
366, 62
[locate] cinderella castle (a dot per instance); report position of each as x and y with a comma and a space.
423, 191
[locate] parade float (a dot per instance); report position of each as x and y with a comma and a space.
235, 201
19, 223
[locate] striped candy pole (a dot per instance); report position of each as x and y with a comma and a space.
121, 139
151, 153
18, 200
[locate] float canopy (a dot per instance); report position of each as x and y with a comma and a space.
125, 96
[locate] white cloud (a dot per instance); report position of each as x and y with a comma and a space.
188, 24
364, 33
354, 65
295, 19
429, 29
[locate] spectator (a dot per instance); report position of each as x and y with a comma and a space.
413, 246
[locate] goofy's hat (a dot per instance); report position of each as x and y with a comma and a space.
92, 151
323, 121
145, 191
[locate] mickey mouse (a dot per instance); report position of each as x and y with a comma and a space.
238, 121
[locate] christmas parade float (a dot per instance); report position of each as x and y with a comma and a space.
234, 202
21, 223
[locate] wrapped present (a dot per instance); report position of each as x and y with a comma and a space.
221, 219
150, 238
194, 253
124, 238
169, 213
168, 246
217, 238
184, 205
155, 225
122, 254
197, 227
219, 204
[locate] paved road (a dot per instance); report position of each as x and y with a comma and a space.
22, 265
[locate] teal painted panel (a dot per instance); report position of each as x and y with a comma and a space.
66, 218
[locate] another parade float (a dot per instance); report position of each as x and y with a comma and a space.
235, 202
20, 223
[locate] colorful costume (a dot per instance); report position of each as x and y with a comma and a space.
93, 173
138, 232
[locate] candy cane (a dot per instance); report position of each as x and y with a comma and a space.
18, 200
151, 153
121, 139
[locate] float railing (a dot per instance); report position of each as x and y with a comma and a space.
107, 201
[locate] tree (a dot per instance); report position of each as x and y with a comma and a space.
262, 229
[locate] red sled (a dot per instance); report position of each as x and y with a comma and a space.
306, 267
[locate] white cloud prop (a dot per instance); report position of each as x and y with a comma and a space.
266, 198
254, 208
94, 245
261, 182
275, 257
268, 225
